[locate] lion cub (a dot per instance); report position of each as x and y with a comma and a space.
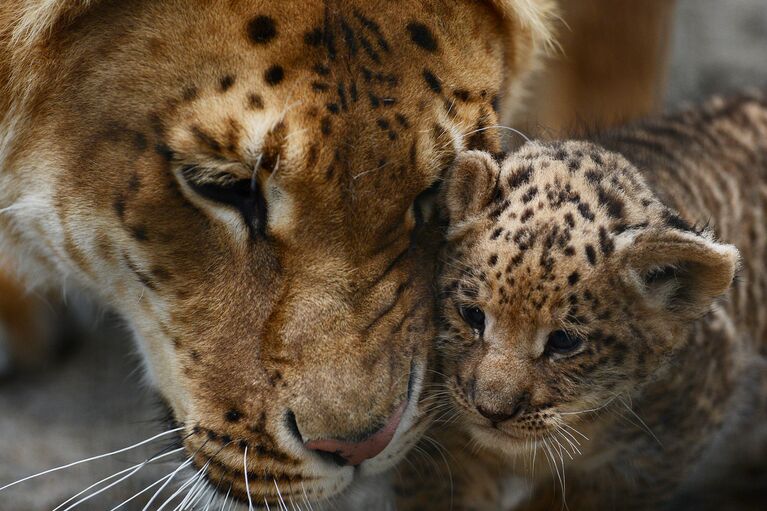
591, 325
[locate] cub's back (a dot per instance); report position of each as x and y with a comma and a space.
710, 164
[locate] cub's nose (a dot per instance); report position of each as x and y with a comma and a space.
355, 452
511, 410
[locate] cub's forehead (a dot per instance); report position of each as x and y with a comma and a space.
558, 213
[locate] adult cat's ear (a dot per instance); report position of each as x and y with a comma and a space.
528, 31
681, 271
469, 185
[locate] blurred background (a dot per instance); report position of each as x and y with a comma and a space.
92, 400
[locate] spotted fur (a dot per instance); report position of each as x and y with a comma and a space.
238, 179
613, 242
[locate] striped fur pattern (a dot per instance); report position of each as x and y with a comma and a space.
591, 322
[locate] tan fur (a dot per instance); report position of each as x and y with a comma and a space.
665, 376
315, 323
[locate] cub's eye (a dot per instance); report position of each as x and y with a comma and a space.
244, 195
562, 342
474, 317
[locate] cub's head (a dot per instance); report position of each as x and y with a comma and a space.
247, 182
565, 283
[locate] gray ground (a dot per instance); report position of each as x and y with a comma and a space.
94, 401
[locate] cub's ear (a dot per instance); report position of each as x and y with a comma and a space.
679, 271
469, 185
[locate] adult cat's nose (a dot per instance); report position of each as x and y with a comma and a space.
355, 452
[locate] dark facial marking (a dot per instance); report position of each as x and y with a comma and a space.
139, 233
314, 37
320, 86
274, 75
462, 94
349, 39
261, 30
325, 126
164, 151
432, 81
226, 83
255, 101
140, 141
189, 93
422, 36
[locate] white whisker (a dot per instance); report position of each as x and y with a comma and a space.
94, 458
279, 494
247, 483
180, 467
121, 504
132, 470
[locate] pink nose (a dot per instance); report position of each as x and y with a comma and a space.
355, 453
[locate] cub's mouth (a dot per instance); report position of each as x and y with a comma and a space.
273, 469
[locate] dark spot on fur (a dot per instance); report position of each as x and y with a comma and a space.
349, 39
226, 83
526, 215
325, 126
274, 75
314, 37
402, 120
521, 177
189, 94
422, 36
321, 69
262, 29
493, 260
333, 108
605, 242
164, 151
591, 254
432, 81
573, 278
496, 233
530, 194
569, 251
462, 94
255, 101
585, 211
613, 204
119, 206
342, 96
139, 233
140, 142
